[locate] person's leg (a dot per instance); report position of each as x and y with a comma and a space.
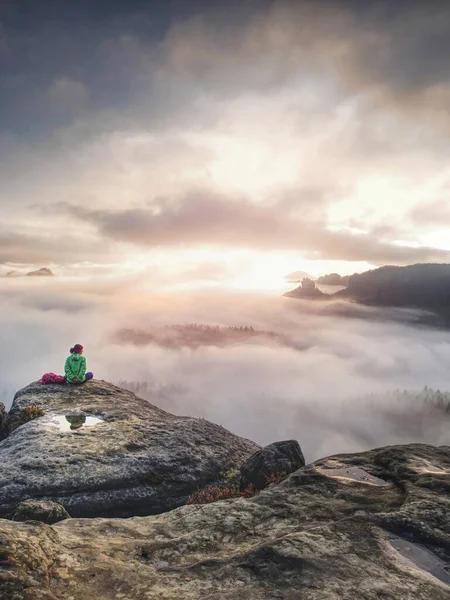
89, 376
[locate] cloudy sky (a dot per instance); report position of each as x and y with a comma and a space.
223, 142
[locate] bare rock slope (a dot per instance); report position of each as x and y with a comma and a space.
368, 526
135, 459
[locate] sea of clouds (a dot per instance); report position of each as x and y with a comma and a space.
309, 379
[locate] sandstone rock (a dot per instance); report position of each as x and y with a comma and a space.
300, 540
269, 462
308, 291
137, 460
40, 510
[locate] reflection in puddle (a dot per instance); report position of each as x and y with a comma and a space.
74, 422
422, 558
353, 474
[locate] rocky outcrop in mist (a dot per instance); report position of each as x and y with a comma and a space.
308, 291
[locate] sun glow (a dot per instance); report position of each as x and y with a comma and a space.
231, 269
248, 165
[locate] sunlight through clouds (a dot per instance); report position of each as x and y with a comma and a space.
282, 128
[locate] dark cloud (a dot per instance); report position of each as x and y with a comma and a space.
397, 57
89, 43
412, 42
212, 219
54, 248
177, 51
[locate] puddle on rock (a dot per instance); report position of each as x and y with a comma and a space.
353, 474
422, 558
74, 422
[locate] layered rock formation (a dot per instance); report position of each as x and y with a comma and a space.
126, 458
369, 526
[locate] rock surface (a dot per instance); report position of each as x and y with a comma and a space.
327, 532
139, 460
3, 420
40, 510
271, 461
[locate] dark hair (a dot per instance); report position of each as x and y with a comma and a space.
76, 349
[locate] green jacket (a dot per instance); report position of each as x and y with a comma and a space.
75, 367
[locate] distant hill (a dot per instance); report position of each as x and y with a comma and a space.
41, 273
416, 286
422, 286
44, 272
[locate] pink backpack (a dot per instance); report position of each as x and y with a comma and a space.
52, 378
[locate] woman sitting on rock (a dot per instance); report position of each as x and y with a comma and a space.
75, 367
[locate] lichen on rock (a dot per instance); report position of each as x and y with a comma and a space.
44, 511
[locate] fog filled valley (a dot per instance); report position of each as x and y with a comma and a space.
265, 367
